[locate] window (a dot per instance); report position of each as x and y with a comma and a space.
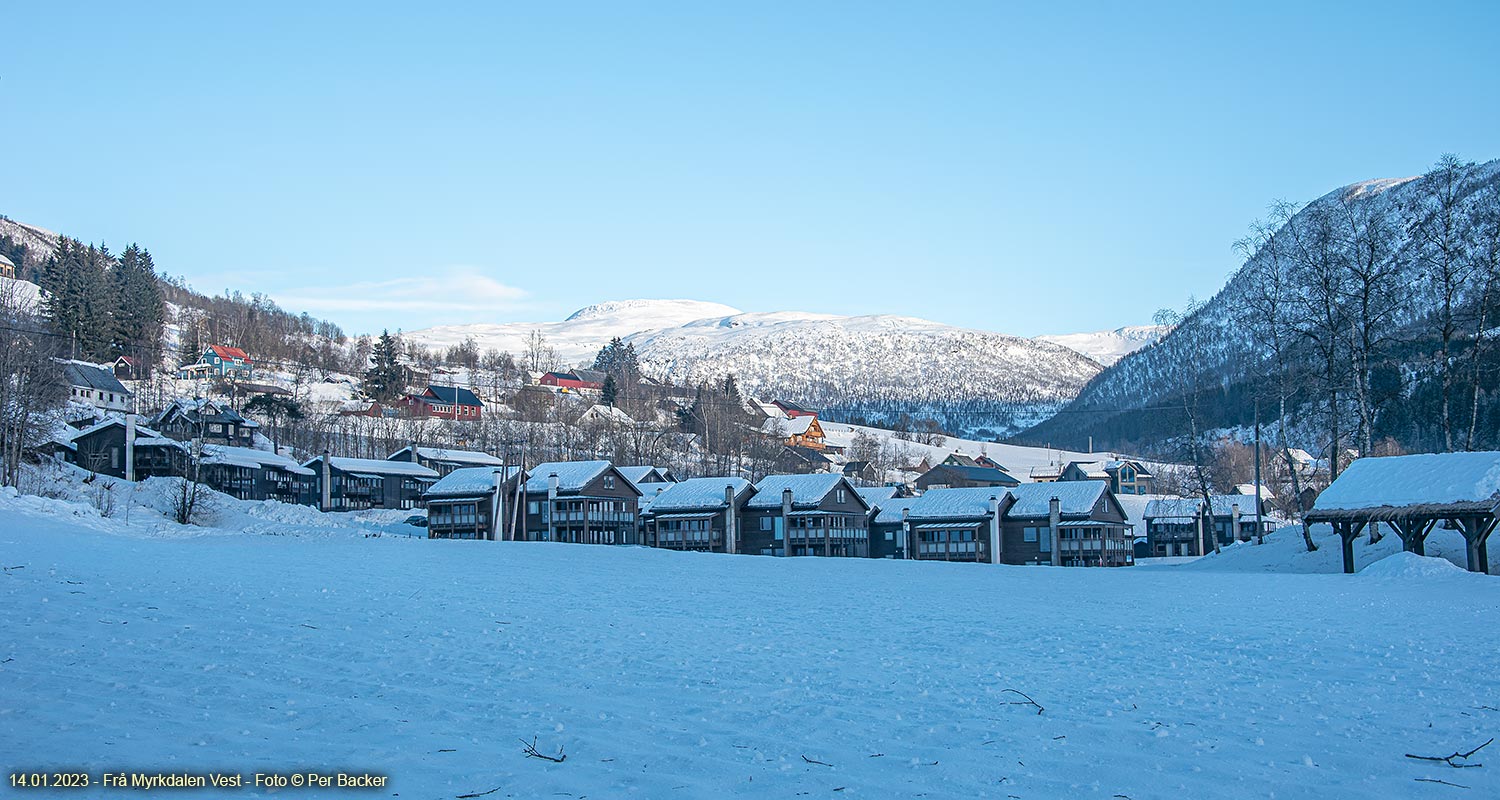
609, 481
1029, 534
533, 507
765, 523
842, 495
1045, 539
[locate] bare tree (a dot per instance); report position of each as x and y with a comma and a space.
1266, 315
1435, 224
1375, 300
31, 384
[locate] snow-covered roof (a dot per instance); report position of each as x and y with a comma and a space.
572, 476
951, 503
469, 481
696, 494
374, 466
1075, 497
1433, 479
890, 510
1187, 507
608, 414
92, 376
250, 457
649, 493
795, 426
807, 490
452, 456
640, 472
876, 495
143, 434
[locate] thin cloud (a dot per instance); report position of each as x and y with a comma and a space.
453, 290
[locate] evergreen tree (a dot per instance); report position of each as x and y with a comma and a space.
611, 390
139, 309
620, 360
383, 380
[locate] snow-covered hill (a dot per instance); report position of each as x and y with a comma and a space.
875, 366
1107, 347
41, 242
578, 338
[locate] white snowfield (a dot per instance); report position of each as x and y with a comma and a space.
669, 675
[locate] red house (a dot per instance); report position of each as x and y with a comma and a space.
793, 410
446, 402
578, 379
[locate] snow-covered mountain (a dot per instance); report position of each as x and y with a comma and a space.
578, 338
873, 367
1107, 347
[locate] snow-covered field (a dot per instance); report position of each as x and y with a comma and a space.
287, 641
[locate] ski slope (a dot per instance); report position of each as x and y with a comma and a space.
295, 643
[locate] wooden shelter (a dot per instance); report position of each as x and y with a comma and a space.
1413, 494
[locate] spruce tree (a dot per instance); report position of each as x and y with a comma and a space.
383, 379
611, 390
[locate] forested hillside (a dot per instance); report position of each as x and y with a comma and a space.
1365, 320
104, 305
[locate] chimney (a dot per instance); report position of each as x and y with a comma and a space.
1054, 517
911, 547
1234, 522
130, 447
414, 459
786, 521
731, 521
327, 482
994, 543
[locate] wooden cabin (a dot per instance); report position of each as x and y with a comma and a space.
583, 502
701, 514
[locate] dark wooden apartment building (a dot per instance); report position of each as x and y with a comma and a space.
701, 514
585, 502
806, 515
474, 503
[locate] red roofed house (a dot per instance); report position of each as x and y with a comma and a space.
577, 379
793, 410
446, 402
220, 361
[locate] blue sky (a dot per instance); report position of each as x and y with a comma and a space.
1018, 168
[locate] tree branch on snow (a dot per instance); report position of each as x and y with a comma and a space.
815, 761
531, 752
1451, 760
1027, 702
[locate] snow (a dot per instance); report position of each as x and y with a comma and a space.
579, 338
794, 426
374, 466
649, 493
457, 456
1187, 507
1410, 566
953, 503
696, 493
295, 644
823, 359
1284, 552
469, 481
1074, 497
572, 476
638, 472
876, 495
1432, 478
248, 457
1107, 347
807, 490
